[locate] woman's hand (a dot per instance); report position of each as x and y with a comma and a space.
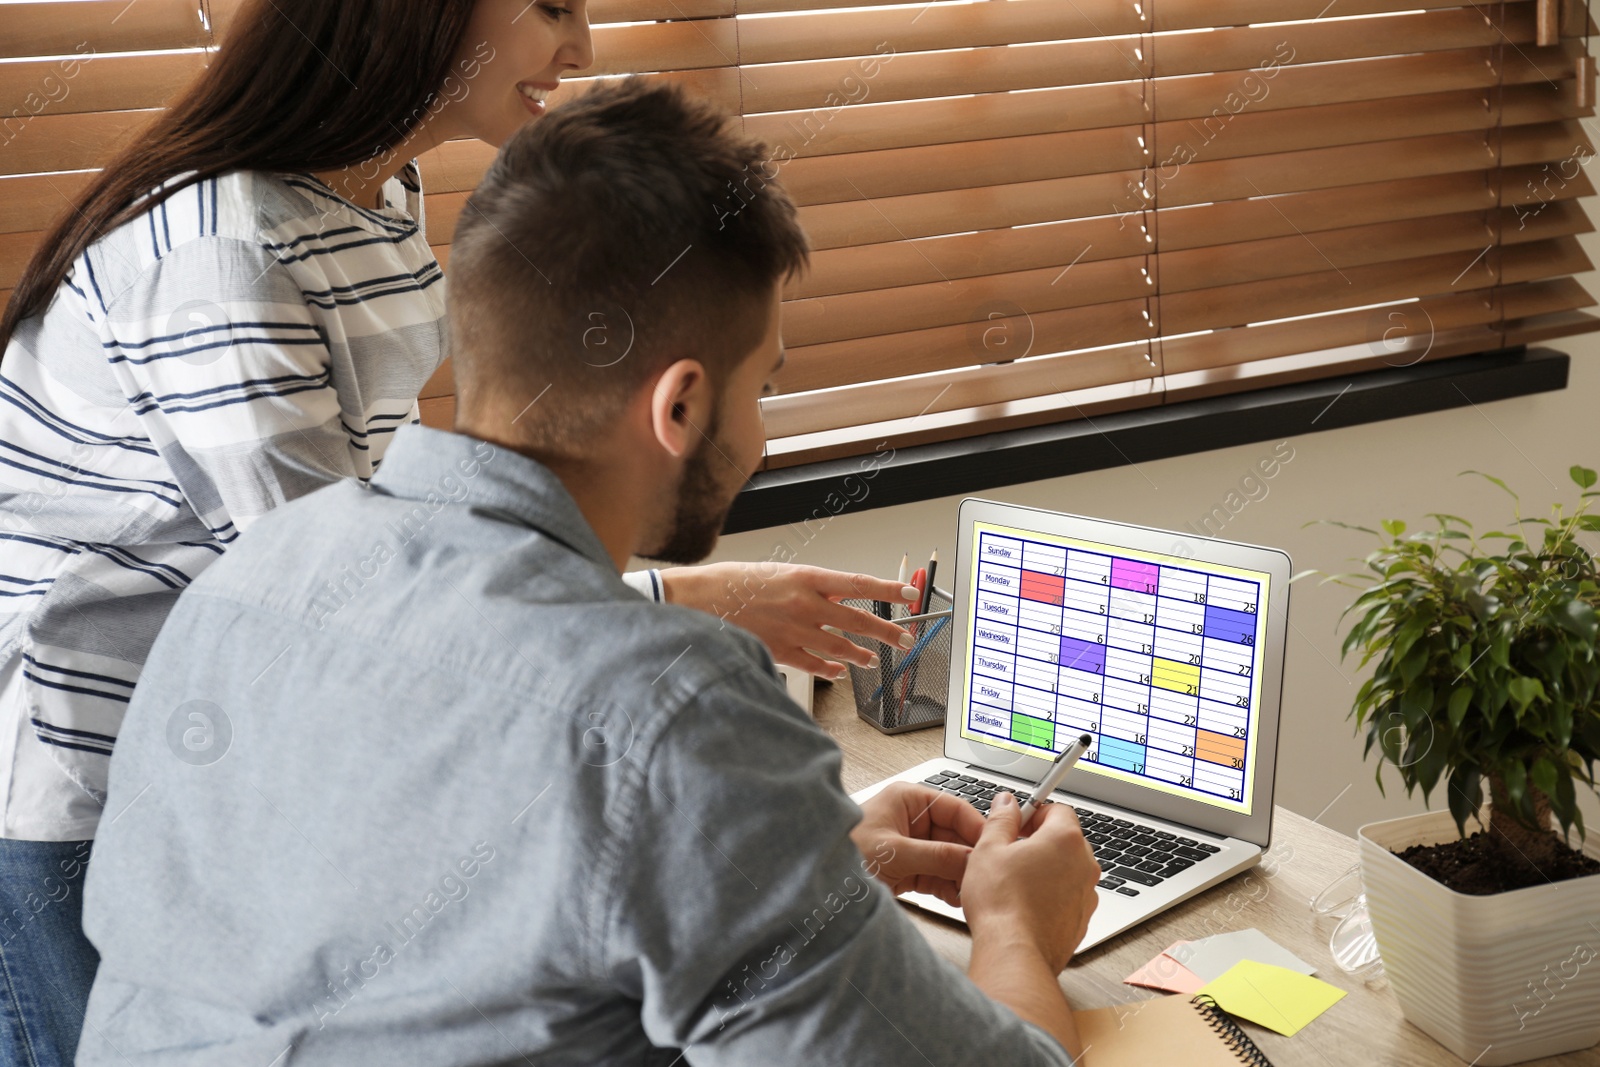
787, 606
916, 840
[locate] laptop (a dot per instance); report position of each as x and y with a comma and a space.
1167, 649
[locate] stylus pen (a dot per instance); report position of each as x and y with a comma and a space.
1058, 770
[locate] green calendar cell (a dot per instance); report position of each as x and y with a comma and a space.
1041, 733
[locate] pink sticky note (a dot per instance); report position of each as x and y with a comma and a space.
1166, 974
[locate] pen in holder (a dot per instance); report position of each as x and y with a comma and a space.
908, 688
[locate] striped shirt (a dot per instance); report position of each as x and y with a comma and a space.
252, 339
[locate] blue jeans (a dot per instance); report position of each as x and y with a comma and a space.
46, 963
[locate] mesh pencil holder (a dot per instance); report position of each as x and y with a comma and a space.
908, 689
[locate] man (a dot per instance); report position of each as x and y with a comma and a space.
413, 778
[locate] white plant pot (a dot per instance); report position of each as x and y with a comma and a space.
1495, 979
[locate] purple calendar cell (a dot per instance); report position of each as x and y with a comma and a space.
1083, 655
1139, 577
1224, 624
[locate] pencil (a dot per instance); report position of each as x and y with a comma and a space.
886, 712
927, 603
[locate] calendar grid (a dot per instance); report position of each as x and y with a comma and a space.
1155, 662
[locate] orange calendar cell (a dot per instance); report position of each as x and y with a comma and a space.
1219, 748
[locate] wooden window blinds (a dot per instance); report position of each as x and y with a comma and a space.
1028, 211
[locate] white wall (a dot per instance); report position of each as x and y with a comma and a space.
1396, 469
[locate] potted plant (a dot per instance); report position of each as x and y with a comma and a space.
1486, 671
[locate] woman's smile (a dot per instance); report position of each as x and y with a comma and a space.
533, 95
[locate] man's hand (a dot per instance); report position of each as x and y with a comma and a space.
1028, 900
917, 840
1037, 881
787, 606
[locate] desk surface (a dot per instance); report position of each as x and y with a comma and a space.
1364, 1028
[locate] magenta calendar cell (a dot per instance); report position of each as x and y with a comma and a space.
1139, 577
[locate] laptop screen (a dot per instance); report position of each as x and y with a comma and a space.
1157, 659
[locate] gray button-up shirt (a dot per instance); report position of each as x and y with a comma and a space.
412, 777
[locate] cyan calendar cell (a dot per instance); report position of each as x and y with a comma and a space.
1115, 752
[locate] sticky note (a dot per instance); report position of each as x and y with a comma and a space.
1211, 957
1166, 974
1274, 997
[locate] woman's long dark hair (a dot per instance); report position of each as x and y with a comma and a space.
299, 85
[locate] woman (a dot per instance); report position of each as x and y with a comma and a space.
241, 309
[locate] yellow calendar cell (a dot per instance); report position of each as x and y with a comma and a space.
1178, 677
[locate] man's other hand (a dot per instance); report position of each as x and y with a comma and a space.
916, 839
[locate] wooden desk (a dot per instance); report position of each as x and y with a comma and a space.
1364, 1028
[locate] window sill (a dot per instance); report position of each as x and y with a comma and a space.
975, 464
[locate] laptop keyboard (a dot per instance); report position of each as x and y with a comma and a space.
1127, 851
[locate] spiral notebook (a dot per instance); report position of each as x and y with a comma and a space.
1192, 1031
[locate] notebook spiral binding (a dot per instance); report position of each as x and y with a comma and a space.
1237, 1040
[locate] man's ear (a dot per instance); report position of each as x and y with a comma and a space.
680, 406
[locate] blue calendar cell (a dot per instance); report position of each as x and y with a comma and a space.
1223, 624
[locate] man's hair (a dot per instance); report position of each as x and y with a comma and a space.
623, 231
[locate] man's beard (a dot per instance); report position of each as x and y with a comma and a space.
703, 504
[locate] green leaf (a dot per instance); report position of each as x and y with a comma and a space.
1393, 527
1496, 481
1430, 762
1544, 776
1524, 691
1459, 701
1480, 605
1588, 734
1411, 666
1577, 617
1464, 794
1341, 525
1515, 776
1416, 704
1500, 648
1583, 476
1445, 518
1561, 724
1564, 802
1407, 636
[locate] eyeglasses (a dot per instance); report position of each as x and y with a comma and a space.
1354, 948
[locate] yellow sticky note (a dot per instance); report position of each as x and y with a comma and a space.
1274, 997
